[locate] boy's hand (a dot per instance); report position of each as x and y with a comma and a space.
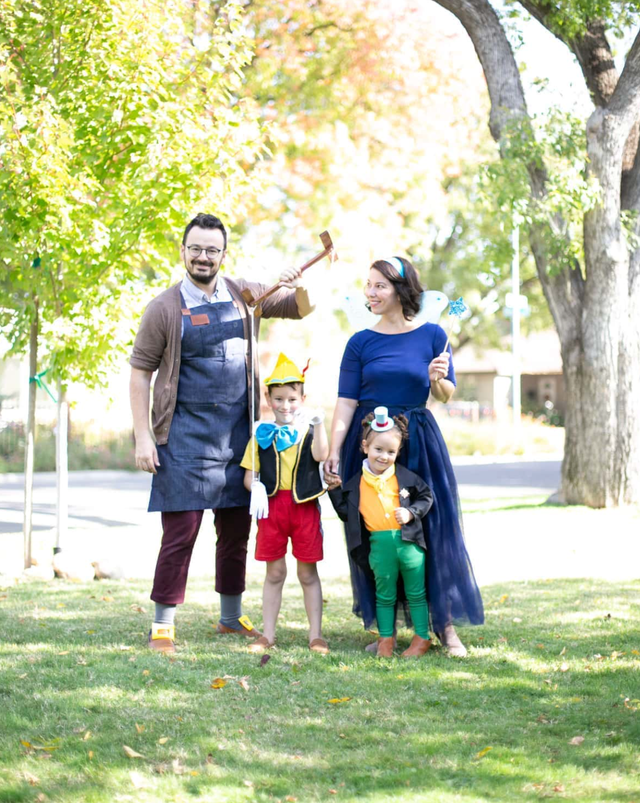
316, 416
403, 516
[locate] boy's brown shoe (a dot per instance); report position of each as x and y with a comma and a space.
417, 647
385, 647
260, 645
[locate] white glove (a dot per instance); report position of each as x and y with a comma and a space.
259, 504
316, 416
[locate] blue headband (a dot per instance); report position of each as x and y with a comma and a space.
395, 263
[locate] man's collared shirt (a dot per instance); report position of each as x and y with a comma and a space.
195, 297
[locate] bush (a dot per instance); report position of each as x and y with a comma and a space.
88, 449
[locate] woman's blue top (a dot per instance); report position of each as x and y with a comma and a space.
391, 370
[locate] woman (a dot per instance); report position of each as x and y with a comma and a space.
397, 363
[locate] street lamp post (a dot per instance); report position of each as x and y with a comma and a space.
515, 330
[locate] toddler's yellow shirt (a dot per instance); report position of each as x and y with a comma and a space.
371, 506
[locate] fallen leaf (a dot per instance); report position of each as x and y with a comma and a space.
87, 736
218, 683
517, 619
563, 651
244, 684
194, 773
90, 632
248, 783
145, 671
209, 759
336, 700
124, 647
291, 799
138, 608
130, 752
635, 652
564, 666
163, 740
64, 652
177, 766
41, 798
576, 740
32, 780
107, 599
90, 754
333, 791
139, 728
558, 788
504, 598
543, 719
266, 657
484, 752
138, 780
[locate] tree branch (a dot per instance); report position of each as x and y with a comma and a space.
564, 289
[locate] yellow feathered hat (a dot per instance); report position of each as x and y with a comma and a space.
285, 372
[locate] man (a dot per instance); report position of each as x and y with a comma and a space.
197, 336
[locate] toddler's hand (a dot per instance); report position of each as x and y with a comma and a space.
403, 516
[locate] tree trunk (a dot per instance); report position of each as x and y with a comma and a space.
597, 317
30, 438
62, 469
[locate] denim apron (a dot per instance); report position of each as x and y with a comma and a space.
200, 463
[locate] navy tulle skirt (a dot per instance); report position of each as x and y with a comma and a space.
452, 592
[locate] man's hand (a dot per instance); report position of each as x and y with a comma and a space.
147, 455
290, 278
403, 516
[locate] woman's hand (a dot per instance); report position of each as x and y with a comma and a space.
403, 516
439, 367
331, 467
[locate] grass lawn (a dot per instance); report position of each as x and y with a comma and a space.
545, 706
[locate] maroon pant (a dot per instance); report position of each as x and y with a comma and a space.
180, 531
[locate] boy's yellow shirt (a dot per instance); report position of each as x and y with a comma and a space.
287, 461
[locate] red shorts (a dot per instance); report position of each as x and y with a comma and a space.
288, 519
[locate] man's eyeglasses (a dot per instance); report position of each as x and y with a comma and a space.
195, 251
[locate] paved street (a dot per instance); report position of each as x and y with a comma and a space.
108, 521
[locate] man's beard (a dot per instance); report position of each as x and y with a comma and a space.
199, 277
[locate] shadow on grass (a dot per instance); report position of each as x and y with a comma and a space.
554, 661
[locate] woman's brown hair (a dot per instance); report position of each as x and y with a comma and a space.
407, 287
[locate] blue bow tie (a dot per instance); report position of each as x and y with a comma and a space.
284, 436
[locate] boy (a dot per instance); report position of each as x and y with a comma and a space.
287, 455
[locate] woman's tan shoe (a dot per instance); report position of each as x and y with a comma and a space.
451, 642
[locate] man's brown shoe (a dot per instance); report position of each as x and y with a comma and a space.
162, 637
385, 647
245, 629
417, 647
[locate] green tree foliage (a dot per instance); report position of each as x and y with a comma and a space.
117, 120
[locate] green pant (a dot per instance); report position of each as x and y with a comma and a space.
390, 556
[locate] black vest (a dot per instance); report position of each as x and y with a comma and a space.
306, 484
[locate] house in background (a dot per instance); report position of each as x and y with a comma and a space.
484, 376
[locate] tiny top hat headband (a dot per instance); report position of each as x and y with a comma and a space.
381, 422
395, 263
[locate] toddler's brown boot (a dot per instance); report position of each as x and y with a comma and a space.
385, 647
417, 647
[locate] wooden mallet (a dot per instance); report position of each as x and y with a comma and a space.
325, 237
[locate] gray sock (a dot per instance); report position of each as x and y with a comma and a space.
230, 610
165, 614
